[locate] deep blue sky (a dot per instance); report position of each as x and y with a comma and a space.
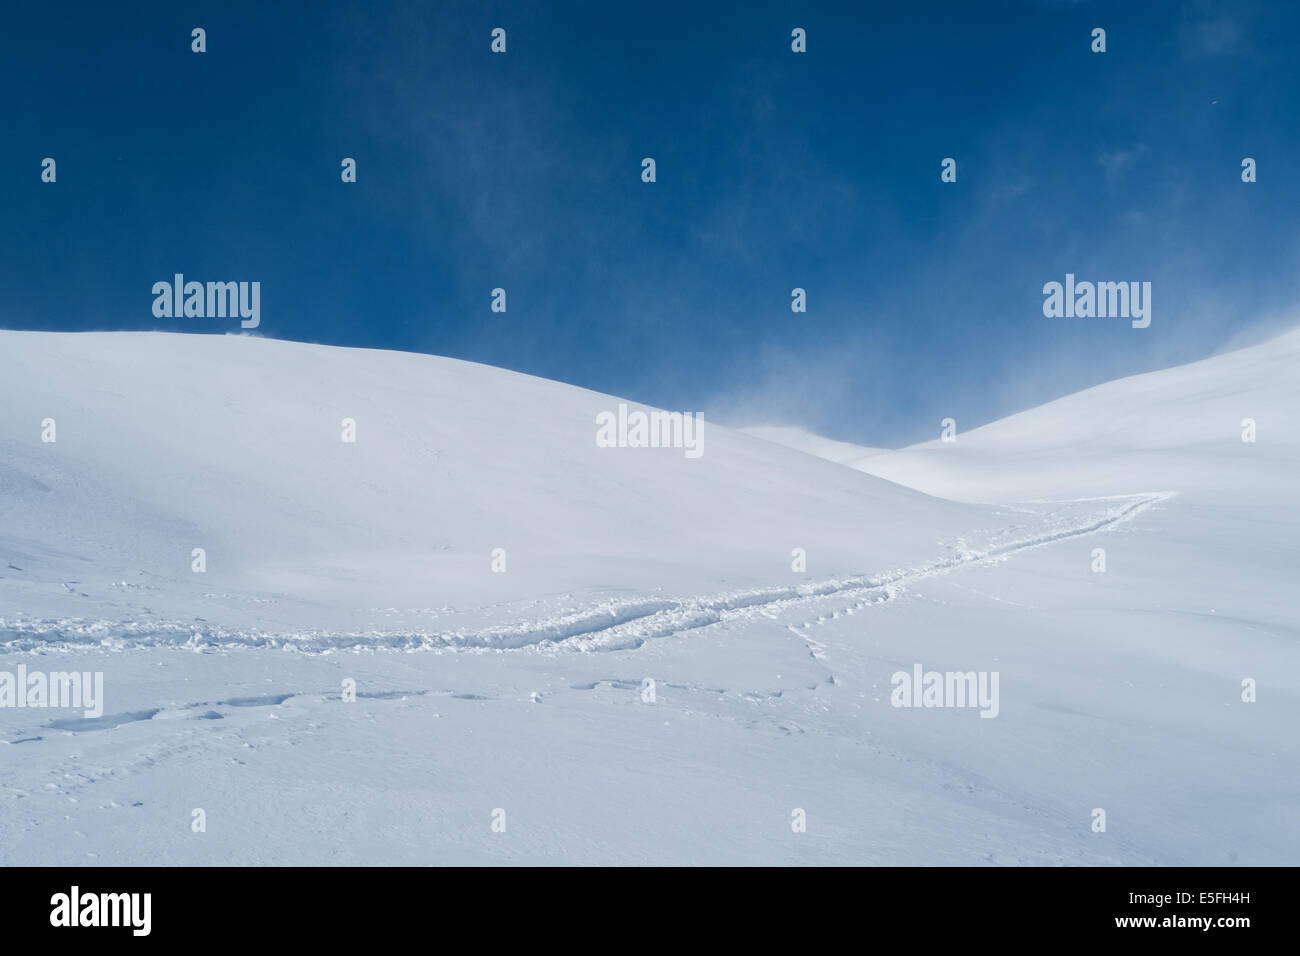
775, 170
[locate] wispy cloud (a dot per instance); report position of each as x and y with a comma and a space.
1118, 163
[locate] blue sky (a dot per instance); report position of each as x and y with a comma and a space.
775, 170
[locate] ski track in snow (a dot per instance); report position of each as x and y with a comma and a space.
612, 626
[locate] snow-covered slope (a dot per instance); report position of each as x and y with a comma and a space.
654, 678
167, 443
841, 452
1177, 428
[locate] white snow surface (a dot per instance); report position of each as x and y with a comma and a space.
524, 691
841, 452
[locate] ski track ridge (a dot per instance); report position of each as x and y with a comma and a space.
613, 626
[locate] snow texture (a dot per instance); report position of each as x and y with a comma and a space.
525, 690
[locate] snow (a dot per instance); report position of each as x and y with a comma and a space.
525, 691
841, 452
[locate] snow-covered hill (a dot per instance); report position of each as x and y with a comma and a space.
682, 656
1181, 427
232, 444
840, 452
